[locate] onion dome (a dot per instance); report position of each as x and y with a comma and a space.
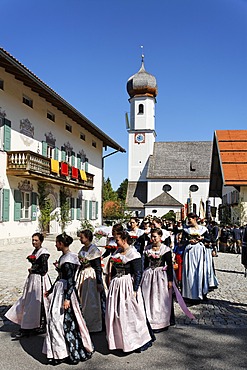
142, 83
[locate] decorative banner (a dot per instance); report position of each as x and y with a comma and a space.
74, 173
201, 210
54, 166
64, 169
208, 209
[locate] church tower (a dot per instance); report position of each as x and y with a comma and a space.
142, 89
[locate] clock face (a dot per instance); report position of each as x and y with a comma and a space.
139, 138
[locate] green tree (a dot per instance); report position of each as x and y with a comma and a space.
170, 216
64, 217
122, 190
108, 192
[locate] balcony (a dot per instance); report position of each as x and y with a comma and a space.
34, 166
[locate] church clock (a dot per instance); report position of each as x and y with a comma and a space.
139, 138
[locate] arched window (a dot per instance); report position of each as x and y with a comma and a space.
141, 109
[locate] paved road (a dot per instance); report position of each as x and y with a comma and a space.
217, 339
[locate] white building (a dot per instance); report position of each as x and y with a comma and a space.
43, 139
162, 176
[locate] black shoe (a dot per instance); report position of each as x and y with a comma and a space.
21, 334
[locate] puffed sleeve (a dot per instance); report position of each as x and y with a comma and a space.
96, 265
69, 272
41, 265
167, 260
136, 272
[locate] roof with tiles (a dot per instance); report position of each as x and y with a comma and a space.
229, 160
180, 160
164, 199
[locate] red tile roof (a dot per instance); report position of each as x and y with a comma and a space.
232, 146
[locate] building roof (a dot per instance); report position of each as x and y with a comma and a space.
229, 160
142, 83
164, 200
136, 194
180, 160
21, 73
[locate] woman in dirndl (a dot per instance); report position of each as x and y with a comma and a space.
90, 283
157, 282
127, 327
67, 338
30, 310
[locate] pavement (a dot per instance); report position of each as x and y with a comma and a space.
216, 339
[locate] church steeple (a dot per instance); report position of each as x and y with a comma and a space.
142, 89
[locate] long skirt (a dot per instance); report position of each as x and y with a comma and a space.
67, 334
26, 312
157, 297
126, 322
212, 279
90, 299
194, 280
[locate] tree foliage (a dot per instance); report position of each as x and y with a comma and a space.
108, 192
122, 190
114, 201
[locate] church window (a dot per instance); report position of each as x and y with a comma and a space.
167, 187
141, 109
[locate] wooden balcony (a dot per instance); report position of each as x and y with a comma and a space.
34, 166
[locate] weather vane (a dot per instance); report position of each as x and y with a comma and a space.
142, 54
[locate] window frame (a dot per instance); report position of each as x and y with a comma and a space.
27, 101
25, 209
50, 116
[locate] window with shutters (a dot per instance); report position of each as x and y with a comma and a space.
26, 205
94, 210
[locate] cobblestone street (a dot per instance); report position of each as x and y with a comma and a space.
211, 339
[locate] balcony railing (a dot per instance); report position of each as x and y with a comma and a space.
32, 165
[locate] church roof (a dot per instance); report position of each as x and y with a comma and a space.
142, 83
164, 199
229, 160
136, 194
180, 160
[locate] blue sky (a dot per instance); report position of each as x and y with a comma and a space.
87, 49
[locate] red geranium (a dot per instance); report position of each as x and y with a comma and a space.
116, 261
31, 258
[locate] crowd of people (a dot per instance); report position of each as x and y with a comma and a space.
126, 291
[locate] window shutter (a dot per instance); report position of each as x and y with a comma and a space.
44, 148
56, 153
72, 208
7, 134
18, 205
63, 154
90, 209
97, 209
5, 205
78, 162
85, 209
73, 159
78, 209
34, 207
86, 166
